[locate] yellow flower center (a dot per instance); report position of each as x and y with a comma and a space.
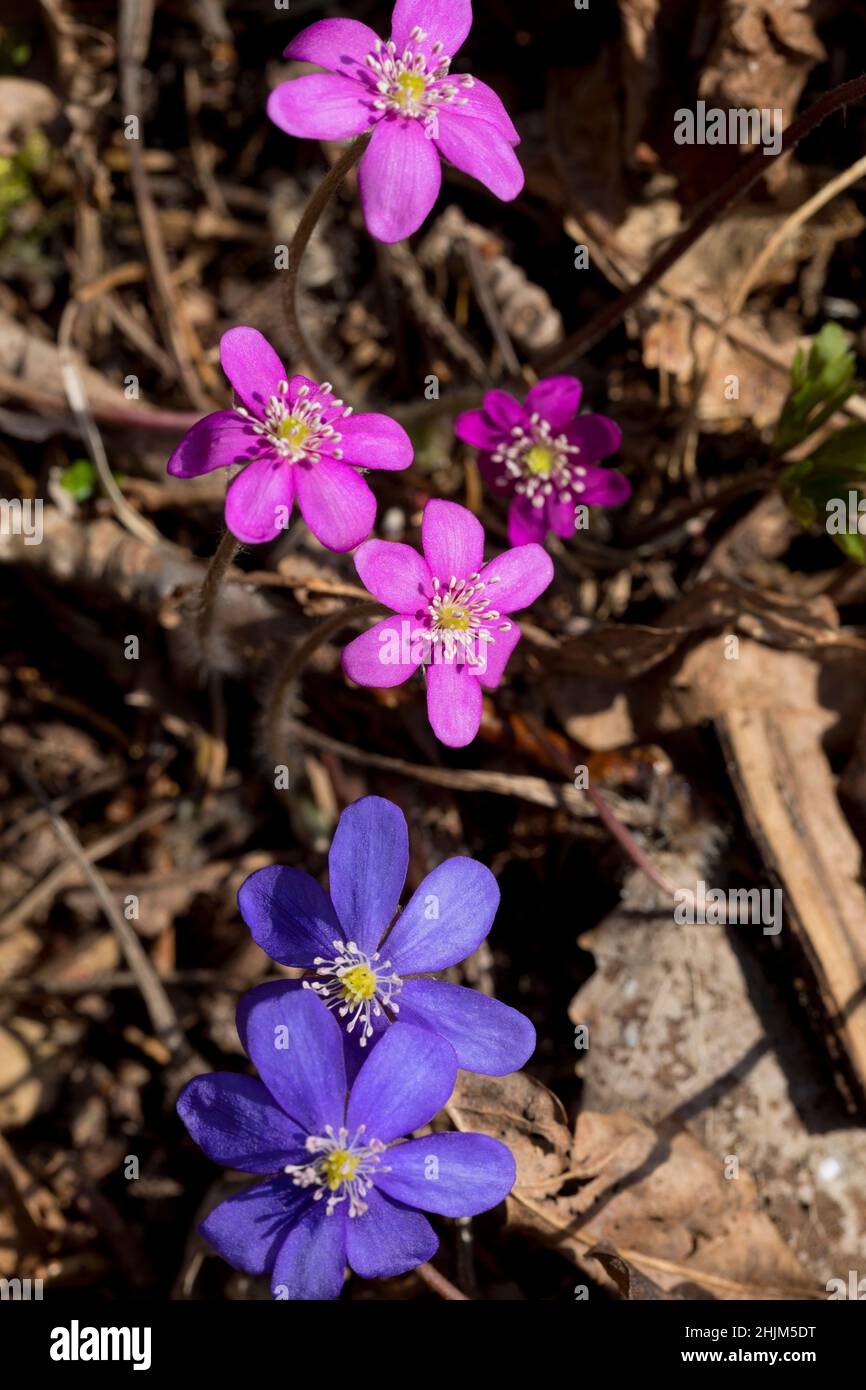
539, 460
359, 984
453, 617
294, 430
340, 1166
411, 86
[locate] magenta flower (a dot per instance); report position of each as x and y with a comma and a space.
542, 454
401, 90
295, 439
451, 615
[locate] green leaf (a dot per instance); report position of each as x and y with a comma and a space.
79, 479
817, 490
820, 385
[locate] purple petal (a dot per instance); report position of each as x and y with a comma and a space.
404, 1082
480, 150
483, 104
253, 368
388, 1239
556, 399
516, 577
382, 656
336, 503
453, 703
296, 1045
248, 1229
311, 1262
340, 45
446, 918
495, 476
604, 487
496, 654
260, 499
217, 441
504, 411
367, 865
527, 525
452, 1174
375, 441
398, 178
561, 516
289, 915
595, 435
443, 21
321, 107
234, 1121
356, 1050
452, 539
395, 574
475, 428
488, 1036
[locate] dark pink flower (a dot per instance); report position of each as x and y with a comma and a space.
295, 440
542, 454
403, 91
451, 615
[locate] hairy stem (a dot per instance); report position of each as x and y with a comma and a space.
216, 573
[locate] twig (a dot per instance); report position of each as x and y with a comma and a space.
439, 1284
217, 570
629, 843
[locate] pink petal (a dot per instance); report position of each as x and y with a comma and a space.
452, 539
399, 178
453, 703
526, 523
214, 442
482, 104
604, 487
504, 411
517, 577
596, 437
395, 574
561, 515
382, 656
479, 149
497, 652
374, 441
444, 21
495, 476
340, 45
255, 498
336, 503
252, 366
321, 107
556, 399
474, 428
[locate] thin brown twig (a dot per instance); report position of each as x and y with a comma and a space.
440, 1285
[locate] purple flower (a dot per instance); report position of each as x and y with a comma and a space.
344, 1190
451, 615
542, 455
401, 90
360, 968
294, 438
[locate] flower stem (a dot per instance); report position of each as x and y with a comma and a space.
300, 343
624, 837
216, 572
300, 655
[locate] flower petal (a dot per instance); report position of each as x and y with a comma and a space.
311, 1262
475, 428
340, 45
556, 399
452, 539
381, 656
404, 1082
595, 435
604, 487
497, 654
453, 703
375, 441
289, 915
367, 865
488, 1036
260, 499
234, 1121
388, 1239
452, 1174
483, 104
321, 107
336, 503
479, 149
495, 476
443, 21
248, 1229
217, 441
504, 411
516, 577
446, 918
296, 1045
253, 368
398, 178
527, 525
395, 574
356, 1050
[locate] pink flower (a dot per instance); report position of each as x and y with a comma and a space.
542, 455
401, 90
294, 438
451, 615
